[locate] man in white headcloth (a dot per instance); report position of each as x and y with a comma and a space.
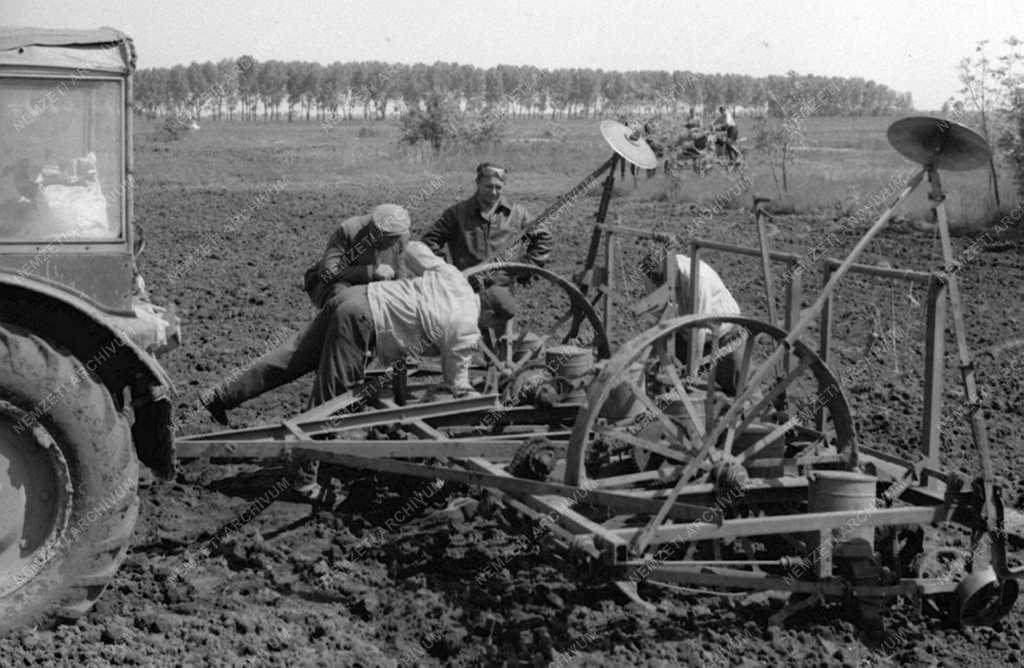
713, 298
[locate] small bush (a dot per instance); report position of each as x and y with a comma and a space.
488, 126
443, 123
436, 124
555, 132
368, 132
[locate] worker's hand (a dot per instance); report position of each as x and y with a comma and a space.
384, 272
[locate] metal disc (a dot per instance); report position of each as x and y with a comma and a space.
939, 144
629, 144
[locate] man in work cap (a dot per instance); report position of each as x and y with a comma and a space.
431, 312
363, 249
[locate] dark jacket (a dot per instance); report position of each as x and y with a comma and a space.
473, 237
349, 259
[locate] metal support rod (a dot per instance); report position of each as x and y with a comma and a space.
762, 235
587, 275
660, 237
595, 235
794, 302
610, 243
934, 363
984, 557
781, 256
695, 342
825, 340
328, 424
788, 524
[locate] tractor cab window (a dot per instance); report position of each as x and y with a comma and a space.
61, 160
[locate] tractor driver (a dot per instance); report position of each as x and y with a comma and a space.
724, 122
485, 223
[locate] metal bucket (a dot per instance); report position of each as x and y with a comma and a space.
831, 491
570, 365
622, 402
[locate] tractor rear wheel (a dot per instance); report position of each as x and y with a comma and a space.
68, 483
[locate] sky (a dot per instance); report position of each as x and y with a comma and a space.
907, 45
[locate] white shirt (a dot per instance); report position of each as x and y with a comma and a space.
713, 298
433, 314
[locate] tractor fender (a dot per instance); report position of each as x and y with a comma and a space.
106, 349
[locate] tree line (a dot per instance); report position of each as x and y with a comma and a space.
245, 89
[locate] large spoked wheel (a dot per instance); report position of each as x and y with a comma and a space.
648, 422
68, 484
549, 311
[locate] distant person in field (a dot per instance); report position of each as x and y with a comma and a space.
724, 122
363, 249
692, 120
480, 226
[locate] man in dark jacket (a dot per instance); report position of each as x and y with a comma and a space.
363, 249
359, 252
485, 227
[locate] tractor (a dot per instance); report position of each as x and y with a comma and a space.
82, 397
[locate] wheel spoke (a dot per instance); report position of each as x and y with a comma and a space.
628, 480
490, 354
676, 432
509, 347
710, 407
681, 456
677, 383
776, 390
643, 539
659, 415
748, 354
767, 440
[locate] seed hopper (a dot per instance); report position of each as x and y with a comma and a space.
651, 460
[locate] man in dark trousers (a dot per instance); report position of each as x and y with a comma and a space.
362, 249
484, 224
432, 311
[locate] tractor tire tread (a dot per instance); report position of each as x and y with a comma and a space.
95, 440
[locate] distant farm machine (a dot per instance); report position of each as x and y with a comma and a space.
651, 465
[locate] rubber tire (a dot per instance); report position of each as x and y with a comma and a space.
95, 440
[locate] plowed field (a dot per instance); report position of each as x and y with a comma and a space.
227, 569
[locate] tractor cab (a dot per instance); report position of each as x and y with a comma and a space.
65, 163
65, 176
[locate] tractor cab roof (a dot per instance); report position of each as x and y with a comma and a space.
100, 50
